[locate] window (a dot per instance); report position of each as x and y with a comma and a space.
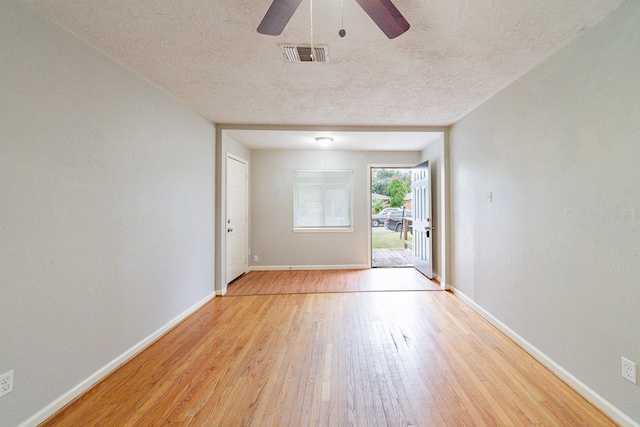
322, 200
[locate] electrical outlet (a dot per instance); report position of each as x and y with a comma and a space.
628, 370
255, 258
6, 383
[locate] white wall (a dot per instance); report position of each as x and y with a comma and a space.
556, 255
106, 218
272, 208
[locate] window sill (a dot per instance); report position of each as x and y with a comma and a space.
324, 230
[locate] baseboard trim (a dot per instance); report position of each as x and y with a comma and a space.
308, 267
585, 391
76, 391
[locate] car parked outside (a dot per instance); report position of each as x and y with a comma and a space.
379, 218
393, 221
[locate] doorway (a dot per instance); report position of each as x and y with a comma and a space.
391, 217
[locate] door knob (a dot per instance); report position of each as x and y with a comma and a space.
229, 230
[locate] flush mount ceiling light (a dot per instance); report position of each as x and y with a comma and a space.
324, 141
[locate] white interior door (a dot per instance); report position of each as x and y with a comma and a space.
422, 226
237, 242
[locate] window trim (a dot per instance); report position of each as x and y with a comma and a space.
323, 229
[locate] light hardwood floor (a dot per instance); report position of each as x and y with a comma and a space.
315, 281
410, 358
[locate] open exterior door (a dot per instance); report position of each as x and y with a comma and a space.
422, 228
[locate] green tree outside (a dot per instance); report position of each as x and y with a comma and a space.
381, 178
397, 190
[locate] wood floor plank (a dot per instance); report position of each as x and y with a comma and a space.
394, 358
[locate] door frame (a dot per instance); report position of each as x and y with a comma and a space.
219, 209
370, 168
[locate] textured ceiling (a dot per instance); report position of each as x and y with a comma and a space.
207, 53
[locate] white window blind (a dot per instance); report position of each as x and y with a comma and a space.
322, 199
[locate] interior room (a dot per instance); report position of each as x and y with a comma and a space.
274, 154
122, 123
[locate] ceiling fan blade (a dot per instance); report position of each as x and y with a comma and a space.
386, 16
277, 17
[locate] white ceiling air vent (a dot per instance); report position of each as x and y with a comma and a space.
301, 53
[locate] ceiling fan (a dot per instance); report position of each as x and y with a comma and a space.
382, 12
